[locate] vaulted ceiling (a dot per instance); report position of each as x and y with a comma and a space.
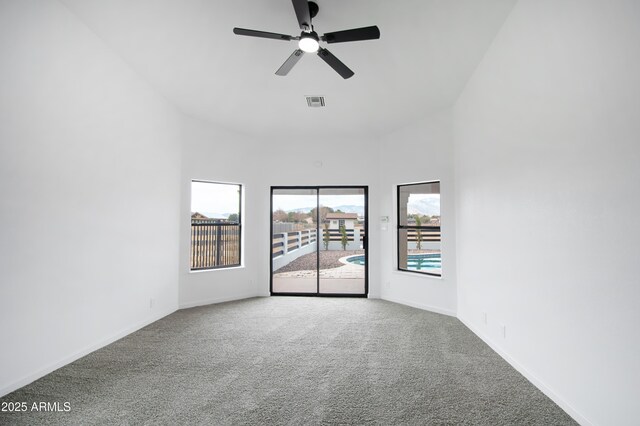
187, 51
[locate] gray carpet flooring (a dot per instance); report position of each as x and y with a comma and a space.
292, 361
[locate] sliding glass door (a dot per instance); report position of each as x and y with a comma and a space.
294, 241
342, 253
319, 241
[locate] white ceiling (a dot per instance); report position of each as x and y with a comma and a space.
186, 49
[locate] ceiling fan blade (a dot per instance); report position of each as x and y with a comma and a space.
356, 34
290, 62
335, 63
302, 13
262, 34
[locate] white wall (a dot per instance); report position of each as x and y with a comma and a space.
547, 176
546, 194
418, 153
218, 155
89, 172
344, 161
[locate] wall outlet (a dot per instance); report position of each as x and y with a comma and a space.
484, 318
152, 302
503, 330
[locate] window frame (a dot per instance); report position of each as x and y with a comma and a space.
239, 224
400, 227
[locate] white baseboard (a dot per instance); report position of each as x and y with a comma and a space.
529, 376
422, 306
6, 389
193, 304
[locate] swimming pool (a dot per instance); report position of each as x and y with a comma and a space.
420, 262
358, 260
416, 262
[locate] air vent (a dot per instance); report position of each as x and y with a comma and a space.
315, 101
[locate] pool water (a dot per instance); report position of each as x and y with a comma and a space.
416, 262
419, 262
358, 260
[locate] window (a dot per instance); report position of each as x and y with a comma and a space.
419, 228
341, 223
216, 225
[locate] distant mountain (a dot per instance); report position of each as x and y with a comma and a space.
212, 215
344, 208
300, 210
351, 209
425, 206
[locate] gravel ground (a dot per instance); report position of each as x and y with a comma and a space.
328, 260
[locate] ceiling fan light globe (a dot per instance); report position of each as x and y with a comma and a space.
308, 44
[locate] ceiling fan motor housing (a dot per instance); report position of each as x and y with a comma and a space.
313, 9
310, 34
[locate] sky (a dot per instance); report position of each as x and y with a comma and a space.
222, 199
217, 198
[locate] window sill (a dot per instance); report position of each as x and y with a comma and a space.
416, 274
199, 271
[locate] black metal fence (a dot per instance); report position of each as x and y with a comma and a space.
214, 244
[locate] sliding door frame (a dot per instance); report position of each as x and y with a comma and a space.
365, 240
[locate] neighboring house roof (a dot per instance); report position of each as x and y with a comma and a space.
200, 216
342, 216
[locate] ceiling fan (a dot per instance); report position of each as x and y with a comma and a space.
309, 41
